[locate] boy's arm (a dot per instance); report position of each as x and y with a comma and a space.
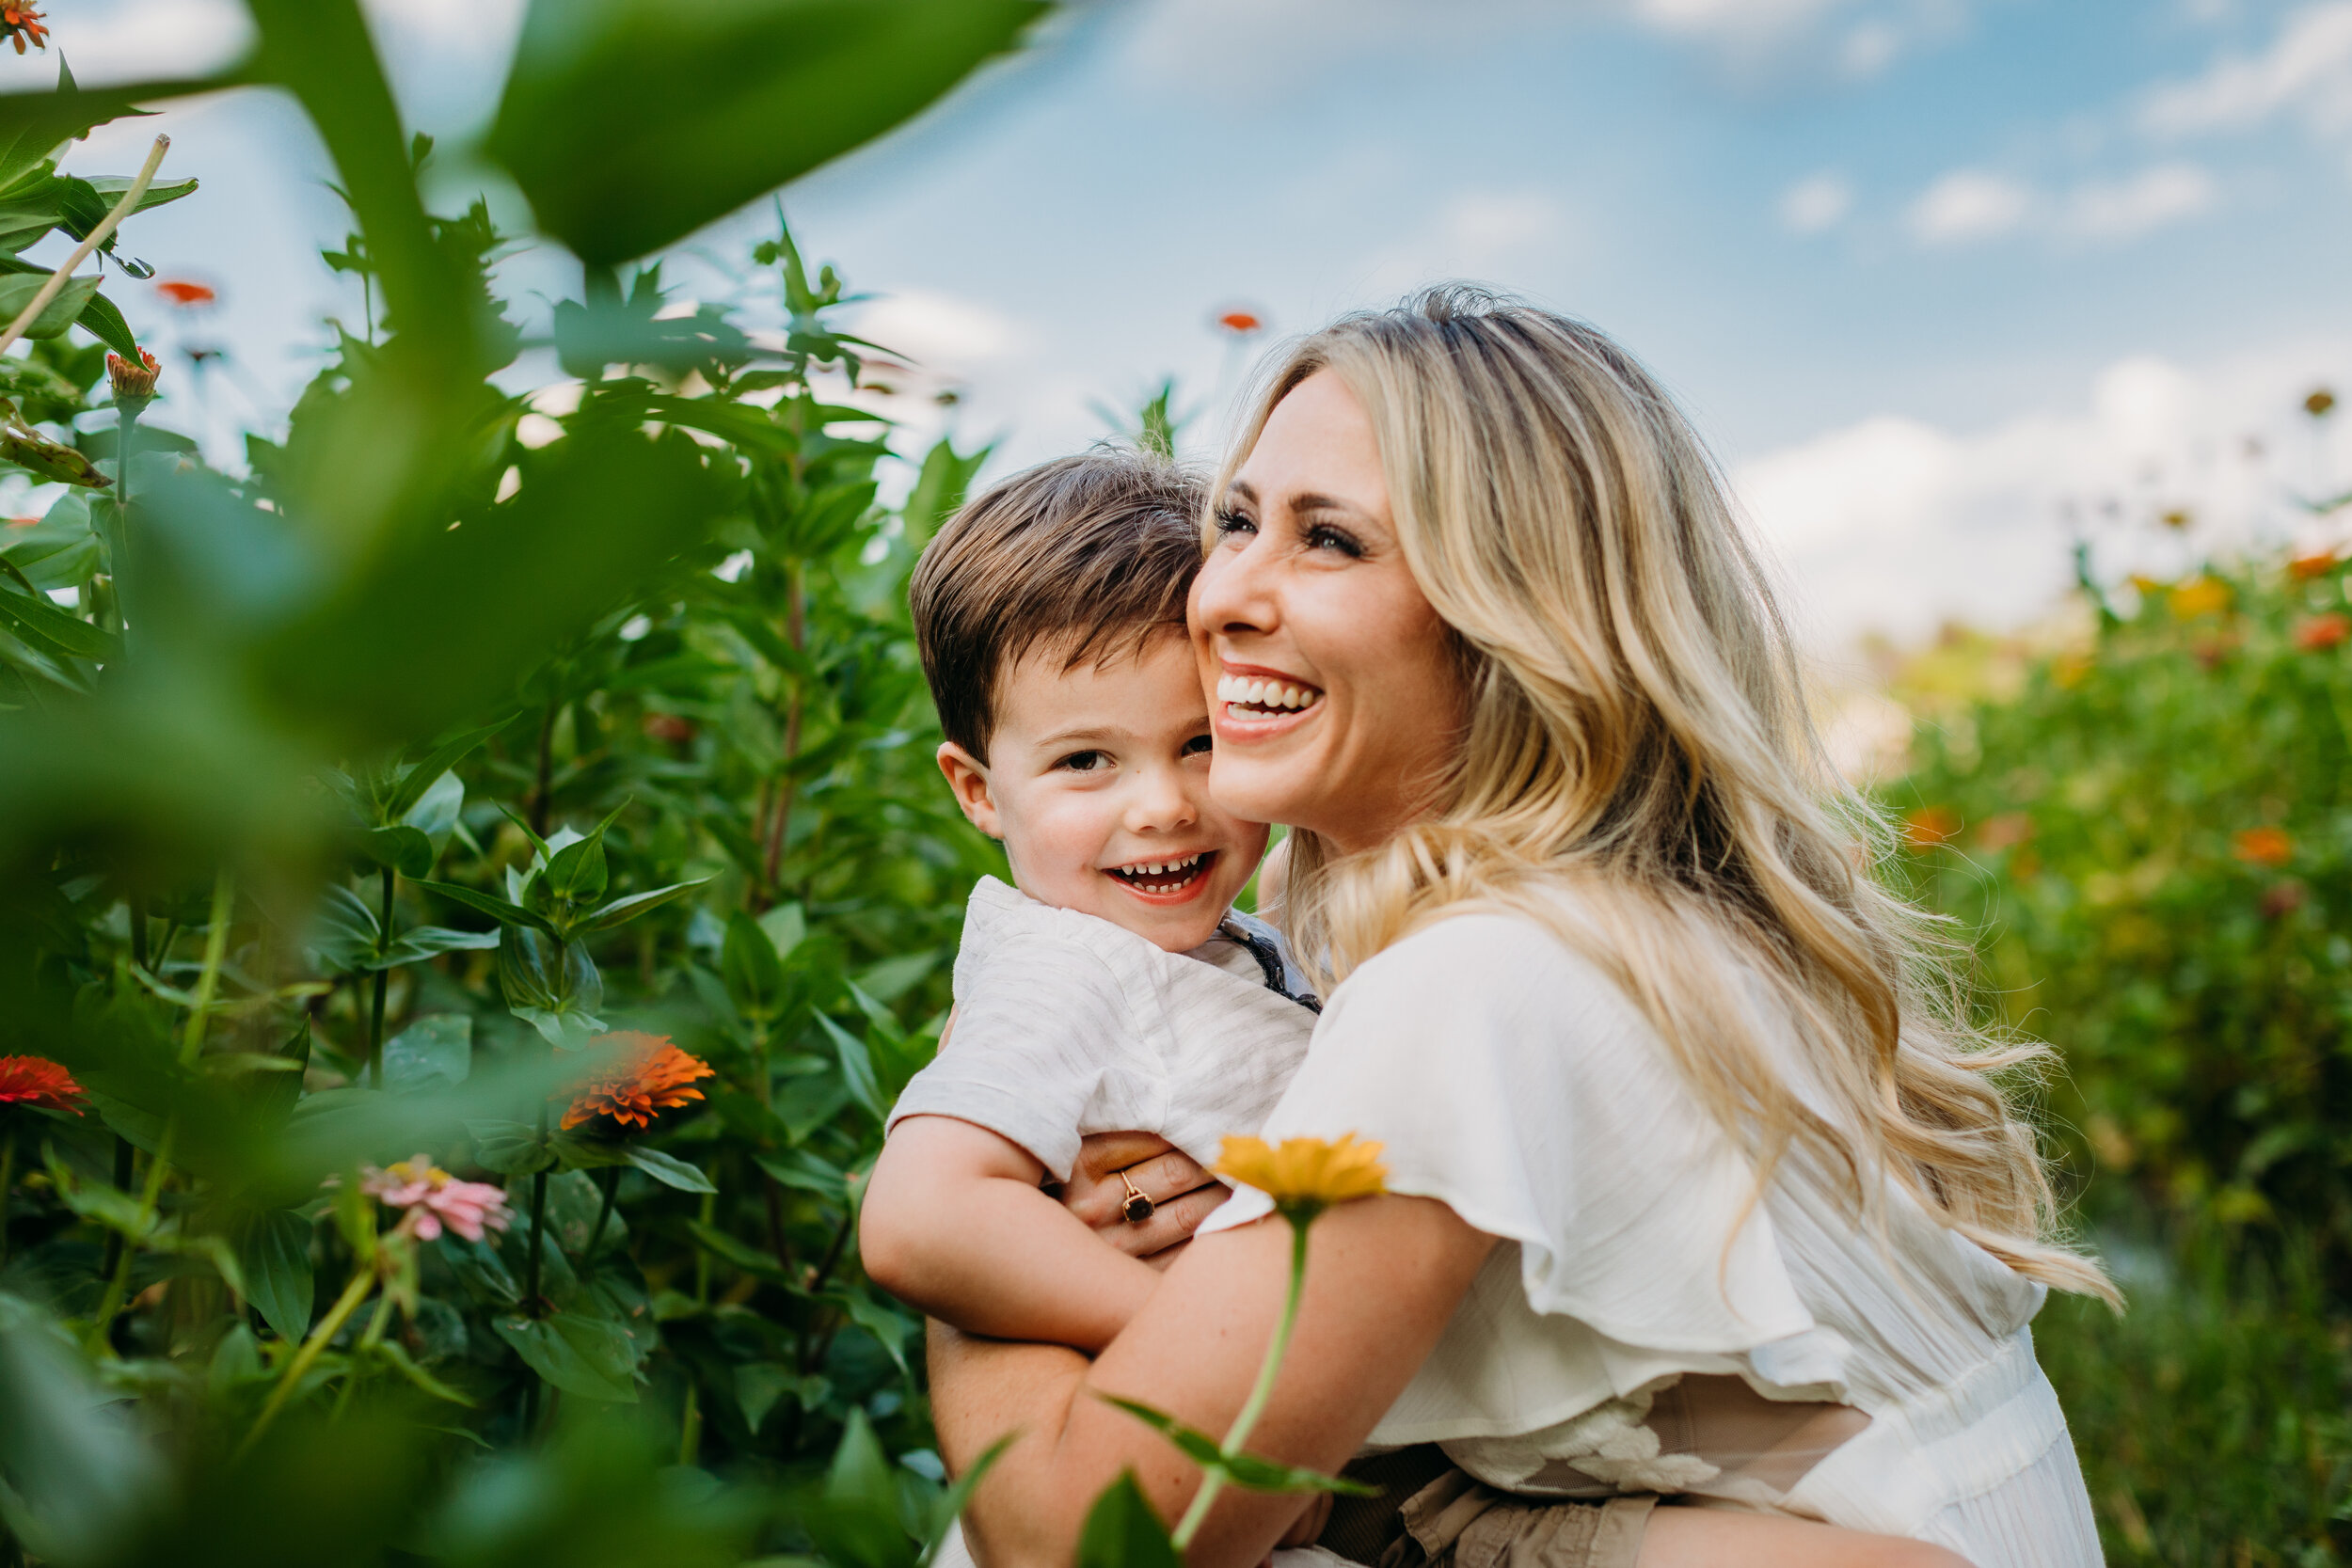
954, 1223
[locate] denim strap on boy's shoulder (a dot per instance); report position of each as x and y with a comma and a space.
1269, 962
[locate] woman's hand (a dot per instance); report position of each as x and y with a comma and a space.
1182, 1195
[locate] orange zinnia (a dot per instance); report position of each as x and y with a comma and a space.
1930, 826
2303, 568
2262, 846
648, 1075
2321, 632
182, 291
21, 22
39, 1082
1242, 323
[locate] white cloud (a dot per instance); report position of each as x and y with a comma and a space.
1479, 234
2165, 194
1740, 19
1896, 524
940, 331
1969, 204
2307, 67
1816, 202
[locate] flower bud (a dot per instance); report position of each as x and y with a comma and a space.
133, 384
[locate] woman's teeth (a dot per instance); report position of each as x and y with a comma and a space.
1164, 875
1265, 696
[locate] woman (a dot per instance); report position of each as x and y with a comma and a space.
1675, 1108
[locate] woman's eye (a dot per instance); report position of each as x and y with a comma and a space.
1322, 536
1082, 762
1200, 745
1231, 523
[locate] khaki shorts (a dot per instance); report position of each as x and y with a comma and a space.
1432, 1515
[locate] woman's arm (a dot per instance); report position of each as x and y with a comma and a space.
1383, 1277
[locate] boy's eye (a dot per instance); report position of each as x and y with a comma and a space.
1200, 745
1082, 762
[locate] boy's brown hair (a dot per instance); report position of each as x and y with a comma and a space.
1088, 556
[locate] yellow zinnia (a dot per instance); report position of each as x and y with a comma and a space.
1306, 1176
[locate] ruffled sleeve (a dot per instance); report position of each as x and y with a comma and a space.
1512, 1082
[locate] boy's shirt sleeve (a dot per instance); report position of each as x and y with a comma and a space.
1044, 1042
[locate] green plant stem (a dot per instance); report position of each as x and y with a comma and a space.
118, 1282
796, 633
383, 979
1254, 1407
124, 1157
138, 933
538, 1221
544, 773
362, 1281
216, 950
368, 1341
610, 1179
690, 1434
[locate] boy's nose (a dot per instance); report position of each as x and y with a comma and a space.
1160, 802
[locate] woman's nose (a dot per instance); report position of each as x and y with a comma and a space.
1234, 591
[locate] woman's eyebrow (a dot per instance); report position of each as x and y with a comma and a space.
1316, 501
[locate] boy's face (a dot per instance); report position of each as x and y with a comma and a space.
1098, 775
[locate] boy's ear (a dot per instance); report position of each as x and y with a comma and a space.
968, 776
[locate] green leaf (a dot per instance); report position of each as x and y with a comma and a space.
577, 871
103, 320
759, 1384
723, 101
1121, 1531
397, 1356
34, 618
668, 1170
436, 813
439, 1047
593, 1357
111, 186
428, 770
509, 1148
18, 289
406, 849
273, 1252
57, 464
885, 1326
344, 933
854, 1519
624, 910
858, 1068
739, 1254
483, 903
422, 941
1245, 1470
753, 970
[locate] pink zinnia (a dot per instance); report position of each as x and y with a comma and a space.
419, 1183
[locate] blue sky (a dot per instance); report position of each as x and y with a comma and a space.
1928, 273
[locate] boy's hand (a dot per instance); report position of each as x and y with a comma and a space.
1181, 1192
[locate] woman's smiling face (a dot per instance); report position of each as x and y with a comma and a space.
1334, 692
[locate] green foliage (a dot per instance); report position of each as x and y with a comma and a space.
2150, 834
2154, 837
376, 799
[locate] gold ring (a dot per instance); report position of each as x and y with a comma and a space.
1138, 1205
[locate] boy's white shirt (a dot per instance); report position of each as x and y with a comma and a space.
1067, 1025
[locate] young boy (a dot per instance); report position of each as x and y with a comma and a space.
1117, 988
1114, 989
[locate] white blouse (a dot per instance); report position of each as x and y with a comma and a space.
1512, 1082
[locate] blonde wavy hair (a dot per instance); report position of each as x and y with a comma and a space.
1637, 732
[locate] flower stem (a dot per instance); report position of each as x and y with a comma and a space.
531, 1265
362, 1281
118, 1283
1254, 1407
383, 978
7, 1178
366, 1342
91, 241
215, 949
610, 1179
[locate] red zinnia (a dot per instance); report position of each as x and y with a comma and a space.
1240, 322
648, 1076
180, 292
2262, 846
39, 1082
